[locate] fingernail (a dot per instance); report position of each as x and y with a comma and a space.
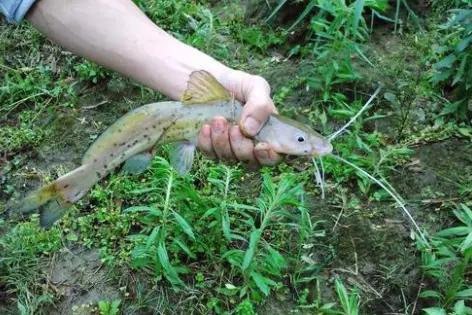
252, 126
218, 125
262, 151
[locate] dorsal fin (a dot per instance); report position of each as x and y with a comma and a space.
203, 87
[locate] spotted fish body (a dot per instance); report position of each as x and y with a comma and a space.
144, 128
134, 138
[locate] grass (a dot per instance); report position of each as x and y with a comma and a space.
222, 240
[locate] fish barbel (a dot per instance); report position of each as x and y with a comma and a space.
133, 140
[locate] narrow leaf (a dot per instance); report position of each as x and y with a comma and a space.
446, 62
170, 272
152, 237
463, 44
464, 294
185, 248
434, 311
254, 239
467, 243
430, 293
358, 8
184, 225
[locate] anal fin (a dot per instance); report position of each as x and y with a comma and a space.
182, 156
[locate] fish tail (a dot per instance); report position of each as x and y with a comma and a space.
54, 199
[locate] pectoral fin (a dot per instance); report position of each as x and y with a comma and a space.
139, 163
182, 156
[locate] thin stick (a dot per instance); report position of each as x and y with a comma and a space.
319, 181
334, 135
322, 170
388, 191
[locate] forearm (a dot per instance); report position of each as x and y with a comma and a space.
119, 36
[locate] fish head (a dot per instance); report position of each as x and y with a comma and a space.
288, 136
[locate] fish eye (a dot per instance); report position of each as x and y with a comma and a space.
300, 138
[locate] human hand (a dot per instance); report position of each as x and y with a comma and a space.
232, 144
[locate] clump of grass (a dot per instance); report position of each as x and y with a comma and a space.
13, 139
448, 265
24, 250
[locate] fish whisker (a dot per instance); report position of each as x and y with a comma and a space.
396, 197
319, 180
342, 129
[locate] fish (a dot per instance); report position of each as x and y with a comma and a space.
132, 142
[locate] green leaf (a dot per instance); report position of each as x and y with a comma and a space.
463, 44
245, 207
103, 306
434, 311
459, 230
254, 239
464, 294
446, 62
184, 225
342, 294
441, 76
459, 307
467, 210
430, 293
185, 248
467, 243
278, 259
152, 237
261, 282
170, 272
209, 212
21, 308
358, 8
305, 12
226, 225
152, 210
227, 291
277, 8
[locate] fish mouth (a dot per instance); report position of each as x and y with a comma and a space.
322, 150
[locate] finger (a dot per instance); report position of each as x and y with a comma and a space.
257, 108
220, 140
204, 142
266, 156
243, 148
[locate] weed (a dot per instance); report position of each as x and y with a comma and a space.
109, 308
23, 138
221, 240
23, 251
91, 71
453, 54
449, 264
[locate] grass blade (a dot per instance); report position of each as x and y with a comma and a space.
274, 12
358, 8
305, 12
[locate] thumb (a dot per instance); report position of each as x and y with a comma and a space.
258, 106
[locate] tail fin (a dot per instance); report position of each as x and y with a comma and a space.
54, 199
